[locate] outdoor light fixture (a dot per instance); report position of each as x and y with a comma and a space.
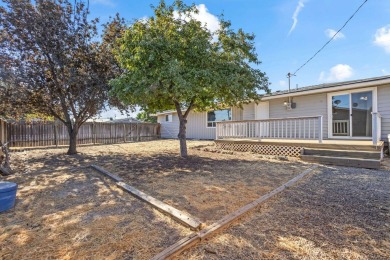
289, 104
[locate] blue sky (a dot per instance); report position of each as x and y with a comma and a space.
362, 51
289, 32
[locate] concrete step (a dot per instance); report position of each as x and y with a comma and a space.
343, 161
343, 153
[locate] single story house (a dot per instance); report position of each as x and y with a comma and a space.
350, 110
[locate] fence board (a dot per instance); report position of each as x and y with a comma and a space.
35, 134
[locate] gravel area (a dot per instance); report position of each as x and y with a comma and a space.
336, 213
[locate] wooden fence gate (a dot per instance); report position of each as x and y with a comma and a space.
34, 134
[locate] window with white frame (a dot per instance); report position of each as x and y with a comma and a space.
218, 116
168, 118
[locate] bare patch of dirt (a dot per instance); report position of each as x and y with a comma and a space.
66, 210
78, 214
209, 184
337, 213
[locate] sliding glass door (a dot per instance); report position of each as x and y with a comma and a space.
351, 114
361, 114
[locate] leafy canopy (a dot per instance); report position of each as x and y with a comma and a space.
50, 50
51, 58
173, 60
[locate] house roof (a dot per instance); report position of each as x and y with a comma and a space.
321, 88
329, 87
166, 112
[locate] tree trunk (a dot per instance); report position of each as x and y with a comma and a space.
72, 140
182, 137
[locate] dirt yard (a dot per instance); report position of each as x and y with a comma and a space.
337, 213
66, 210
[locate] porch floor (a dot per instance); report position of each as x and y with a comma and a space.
326, 144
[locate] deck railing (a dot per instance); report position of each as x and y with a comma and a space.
309, 128
341, 127
376, 128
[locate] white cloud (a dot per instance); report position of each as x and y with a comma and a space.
301, 4
382, 38
385, 72
282, 83
339, 72
104, 2
330, 33
207, 19
143, 19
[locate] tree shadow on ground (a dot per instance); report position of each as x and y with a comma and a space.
78, 214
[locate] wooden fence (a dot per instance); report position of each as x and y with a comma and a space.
21, 134
3, 131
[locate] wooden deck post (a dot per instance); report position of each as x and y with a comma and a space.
320, 132
376, 128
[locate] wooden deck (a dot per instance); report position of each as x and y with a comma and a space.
355, 153
365, 145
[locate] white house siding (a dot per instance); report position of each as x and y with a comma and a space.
384, 109
248, 112
196, 125
237, 114
308, 105
169, 129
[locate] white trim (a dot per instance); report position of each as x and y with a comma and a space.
375, 84
214, 127
329, 104
166, 112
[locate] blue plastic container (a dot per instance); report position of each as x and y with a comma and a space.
7, 195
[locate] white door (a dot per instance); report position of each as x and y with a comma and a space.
261, 113
262, 110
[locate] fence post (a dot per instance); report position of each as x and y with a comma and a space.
55, 134
94, 133
124, 133
137, 132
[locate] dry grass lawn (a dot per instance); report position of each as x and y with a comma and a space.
66, 210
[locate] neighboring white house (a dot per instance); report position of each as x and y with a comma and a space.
358, 109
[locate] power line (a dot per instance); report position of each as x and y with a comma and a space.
357, 10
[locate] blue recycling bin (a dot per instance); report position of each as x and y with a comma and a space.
7, 195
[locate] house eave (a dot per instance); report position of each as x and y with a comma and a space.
331, 88
167, 112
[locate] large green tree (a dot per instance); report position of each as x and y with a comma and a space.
172, 61
54, 61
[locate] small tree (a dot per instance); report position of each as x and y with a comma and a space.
53, 55
145, 116
173, 61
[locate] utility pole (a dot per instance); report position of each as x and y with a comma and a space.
289, 75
